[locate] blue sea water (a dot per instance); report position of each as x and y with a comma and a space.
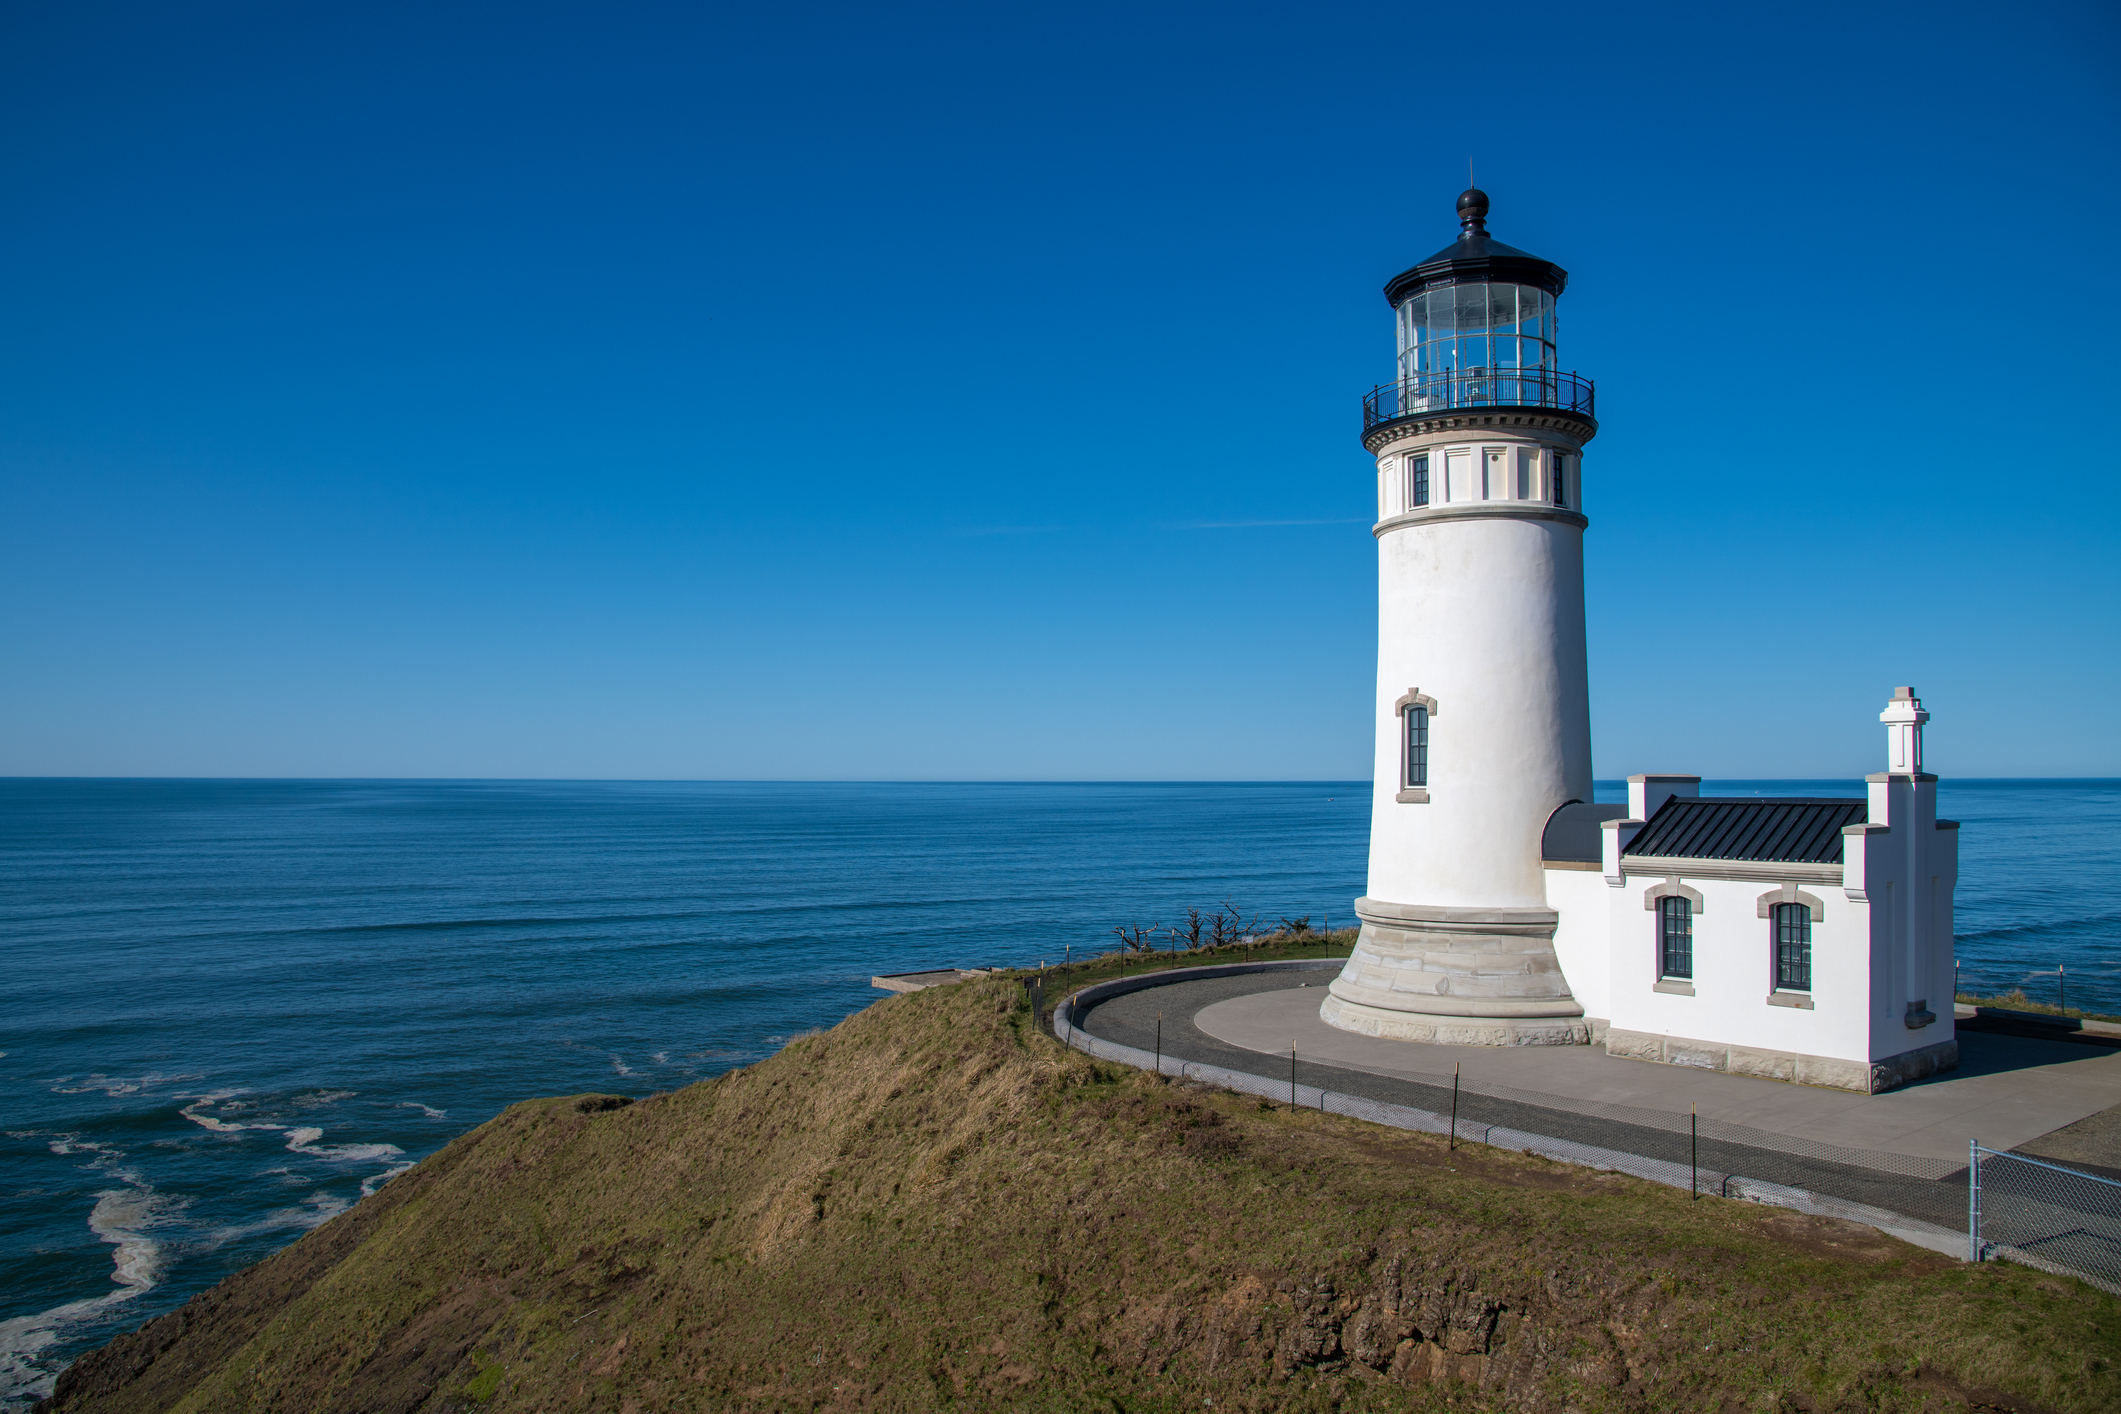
236, 1006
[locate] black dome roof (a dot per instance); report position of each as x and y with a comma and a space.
1476, 256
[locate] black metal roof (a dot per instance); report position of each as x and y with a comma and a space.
1475, 257
1576, 832
1791, 830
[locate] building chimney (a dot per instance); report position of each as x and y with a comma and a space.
1646, 793
1903, 718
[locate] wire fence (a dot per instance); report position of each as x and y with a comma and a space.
2044, 1215
2071, 1220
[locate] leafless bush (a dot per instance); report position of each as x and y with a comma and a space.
1135, 937
1229, 924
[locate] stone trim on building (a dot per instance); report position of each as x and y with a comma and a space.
1830, 1072
1672, 888
1788, 893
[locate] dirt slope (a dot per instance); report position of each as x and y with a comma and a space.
933, 1205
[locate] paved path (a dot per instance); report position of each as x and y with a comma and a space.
2008, 1090
1247, 1023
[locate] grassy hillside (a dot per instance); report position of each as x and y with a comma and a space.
933, 1206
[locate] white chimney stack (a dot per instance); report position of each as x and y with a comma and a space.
1903, 718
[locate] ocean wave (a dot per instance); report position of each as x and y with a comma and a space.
214, 1122
620, 1066
319, 1208
113, 1085
429, 1110
2045, 926
121, 1217
444, 925
370, 1184
303, 1140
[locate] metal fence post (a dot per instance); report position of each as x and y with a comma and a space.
1693, 1148
1454, 1104
1159, 1044
1973, 1200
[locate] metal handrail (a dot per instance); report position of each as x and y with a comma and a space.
1476, 388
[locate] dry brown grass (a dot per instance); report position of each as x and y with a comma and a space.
934, 1206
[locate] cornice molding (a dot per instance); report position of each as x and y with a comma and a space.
1765, 871
1465, 421
1482, 510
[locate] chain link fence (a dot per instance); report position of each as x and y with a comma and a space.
2044, 1215
2058, 1218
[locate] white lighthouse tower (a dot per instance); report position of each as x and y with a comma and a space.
1482, 712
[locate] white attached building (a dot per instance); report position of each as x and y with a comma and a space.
1802, 940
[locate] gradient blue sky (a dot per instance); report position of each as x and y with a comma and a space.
971, 391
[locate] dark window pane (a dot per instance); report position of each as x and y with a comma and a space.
1420, 487
1793, 947
1561, 490
1675, 937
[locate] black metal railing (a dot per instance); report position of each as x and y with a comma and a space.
1477, 388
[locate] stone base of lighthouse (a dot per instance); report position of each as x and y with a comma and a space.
1456, 977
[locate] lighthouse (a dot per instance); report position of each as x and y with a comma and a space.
1482, 713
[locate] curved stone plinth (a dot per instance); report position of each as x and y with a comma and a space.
1454, 1030
1456, 976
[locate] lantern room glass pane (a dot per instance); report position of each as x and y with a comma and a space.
1470, 306
1502, 308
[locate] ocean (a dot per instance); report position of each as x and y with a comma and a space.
237, 1006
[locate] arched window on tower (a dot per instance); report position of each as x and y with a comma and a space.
1675, 938
1793, 947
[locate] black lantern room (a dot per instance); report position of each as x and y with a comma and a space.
1477, 329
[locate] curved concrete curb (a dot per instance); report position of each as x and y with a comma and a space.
1066, 1028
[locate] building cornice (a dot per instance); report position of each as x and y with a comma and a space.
1482, 510
1766, 871
1468, 422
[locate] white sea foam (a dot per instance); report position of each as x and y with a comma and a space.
371, 1184
112, 1085
323, 1097
121, 1217
429, 1110
661, 1058
303, 1140
620, 1066
215, 1123
318, 1208
109, 1085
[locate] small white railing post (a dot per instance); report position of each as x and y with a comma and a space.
1973, 1200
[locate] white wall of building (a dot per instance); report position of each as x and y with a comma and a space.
1583, 938
1734, 970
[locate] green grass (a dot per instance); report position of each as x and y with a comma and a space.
1062, 978
2017, 1000
935, 1206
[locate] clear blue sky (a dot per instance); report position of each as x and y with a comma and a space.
972, 391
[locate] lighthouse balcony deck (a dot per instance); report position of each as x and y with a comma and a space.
1426, 394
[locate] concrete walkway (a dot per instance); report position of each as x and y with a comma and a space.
2006, 1092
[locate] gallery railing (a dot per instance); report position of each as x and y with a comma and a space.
1478, 388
